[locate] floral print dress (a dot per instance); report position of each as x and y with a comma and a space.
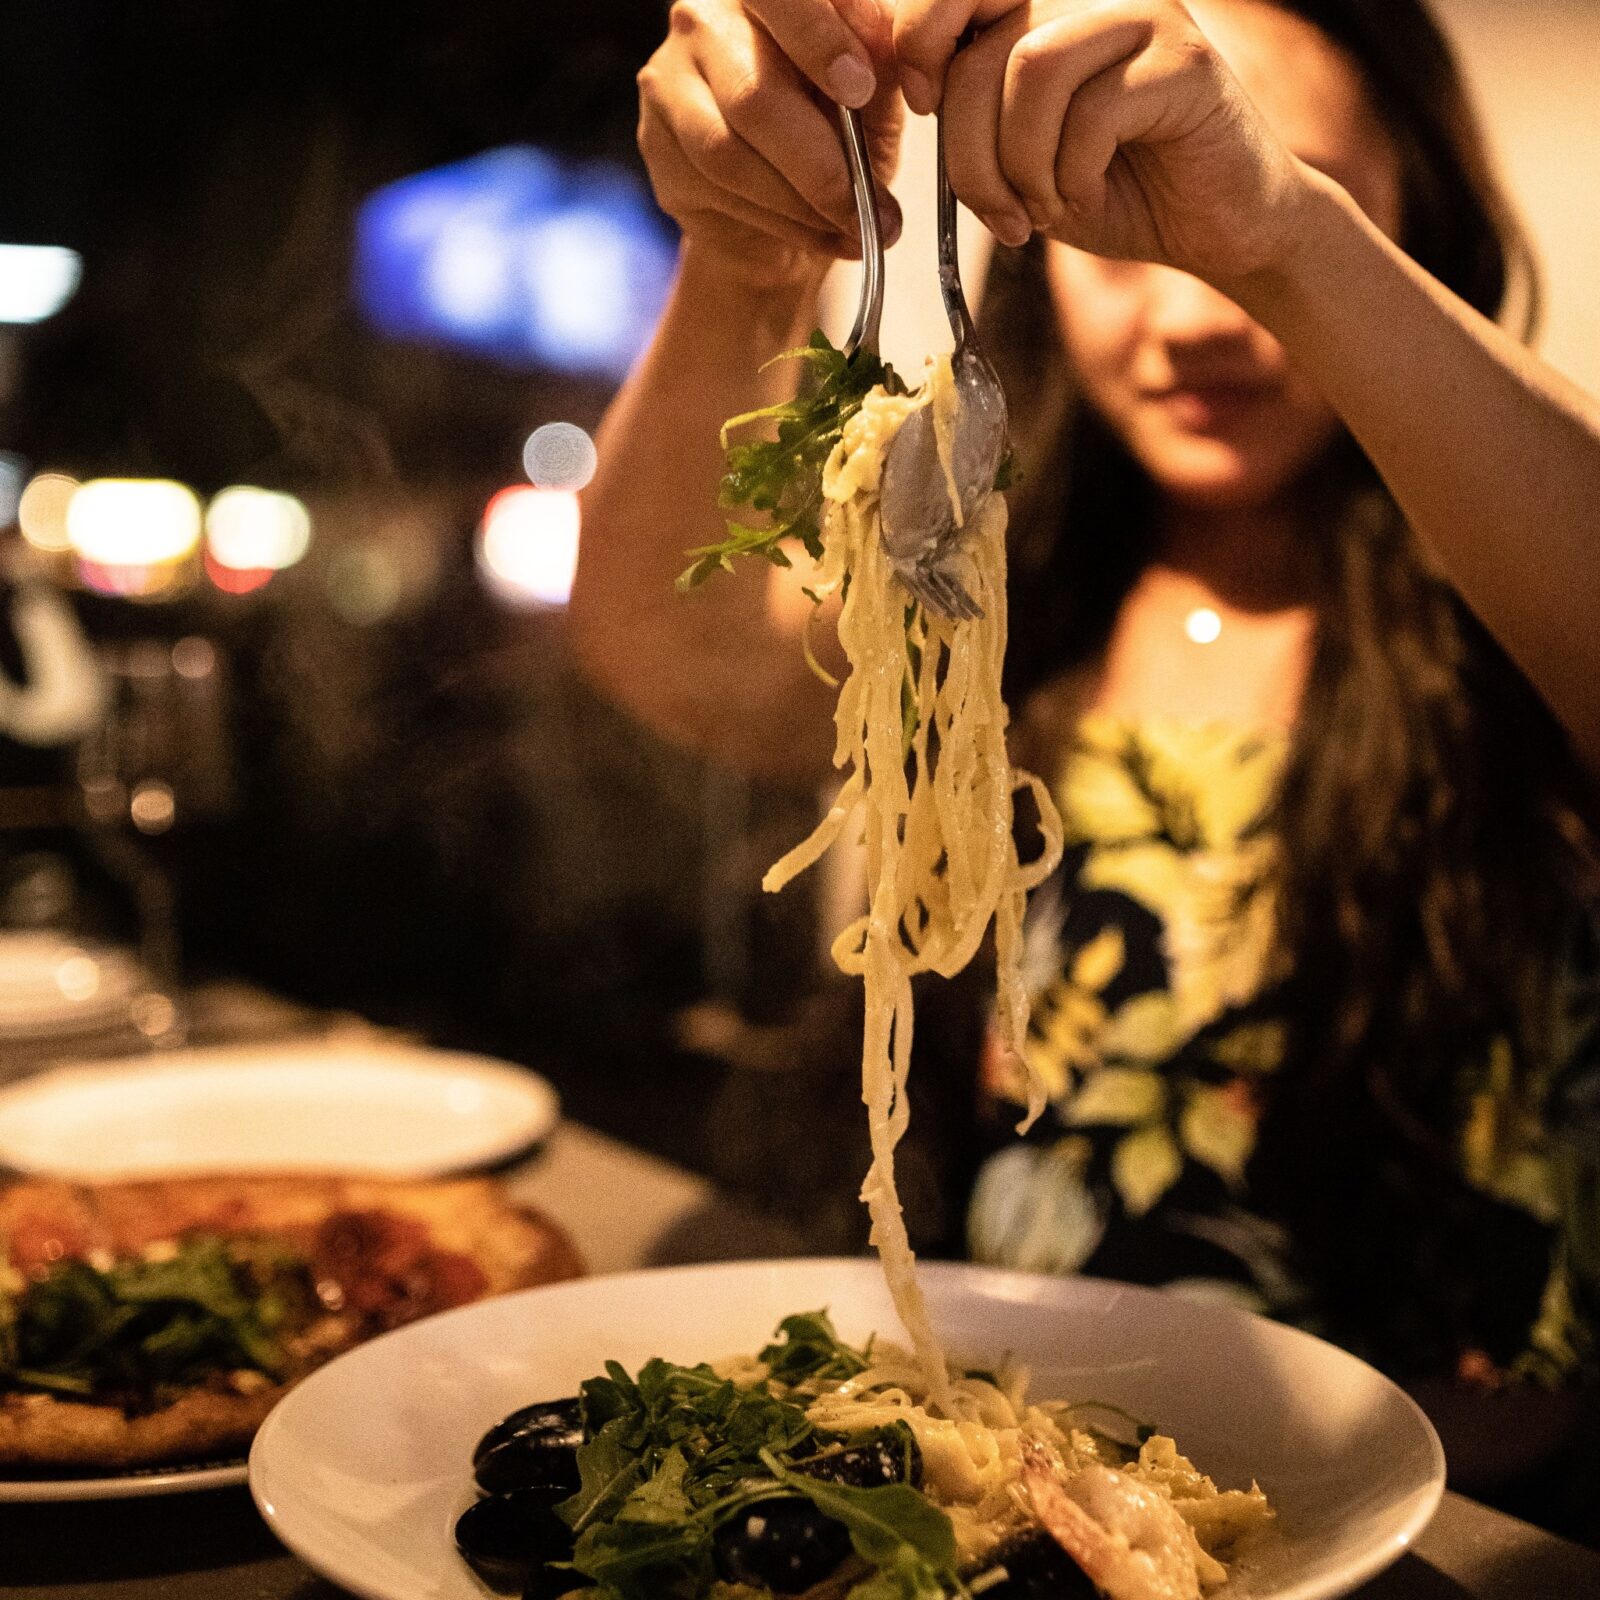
1154, 968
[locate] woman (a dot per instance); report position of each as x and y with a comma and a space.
1304, 589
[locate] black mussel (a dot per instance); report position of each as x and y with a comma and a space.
544, 1416
782, 1545
891, 1457
534, 1448
550, 1583
504, 1535
1035, 1567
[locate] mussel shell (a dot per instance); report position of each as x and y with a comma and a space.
785, 1545
555, 1417
889, 1458
503, 1536
550, 1583
1037, 1568
531, 1460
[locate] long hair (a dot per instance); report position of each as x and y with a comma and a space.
1428, 808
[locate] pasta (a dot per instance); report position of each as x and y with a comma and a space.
921, 728
975, 1444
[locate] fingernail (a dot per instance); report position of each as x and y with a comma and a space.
850, 82
1011, 228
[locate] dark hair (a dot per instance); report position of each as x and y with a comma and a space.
1428, 812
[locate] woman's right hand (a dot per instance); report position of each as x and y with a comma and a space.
738, 129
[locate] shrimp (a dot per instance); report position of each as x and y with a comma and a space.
1127, 1536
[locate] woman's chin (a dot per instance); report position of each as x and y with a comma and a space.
1209, 475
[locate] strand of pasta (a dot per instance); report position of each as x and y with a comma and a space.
936, 818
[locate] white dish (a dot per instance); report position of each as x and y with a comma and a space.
349, 1107
50, 987
124, 1486
363, 1469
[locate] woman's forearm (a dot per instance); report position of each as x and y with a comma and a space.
1493, 457
705, 669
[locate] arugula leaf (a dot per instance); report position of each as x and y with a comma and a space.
608, 1472
782, 476
676, 1451
201, 1275
214, 1304
895, 1527
811, 1349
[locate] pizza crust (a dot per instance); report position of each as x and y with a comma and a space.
43, 1220
37, 1430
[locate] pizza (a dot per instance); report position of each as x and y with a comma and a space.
155, 1322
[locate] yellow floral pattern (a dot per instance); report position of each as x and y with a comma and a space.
1171, 817
1153, 964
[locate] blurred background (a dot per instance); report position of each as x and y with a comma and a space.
285, 290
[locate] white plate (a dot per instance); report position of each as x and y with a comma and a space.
51, 987
351, 1107
363, 1469
124, 1486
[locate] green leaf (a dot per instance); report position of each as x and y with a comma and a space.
679, 1450
202, 1275
808, 1347
782, 476
608, 1472
213, 1305
663, 1498
894, 1527
656, 1543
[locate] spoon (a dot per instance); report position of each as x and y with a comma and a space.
920, 530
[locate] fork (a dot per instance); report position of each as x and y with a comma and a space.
869, 310
920, 528
919, 531
920, 572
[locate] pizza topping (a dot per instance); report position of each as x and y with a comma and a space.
130, 1331
388, 1271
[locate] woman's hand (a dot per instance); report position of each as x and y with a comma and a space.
738, 128
1112, 125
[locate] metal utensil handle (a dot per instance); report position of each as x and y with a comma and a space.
869, 313
955, 302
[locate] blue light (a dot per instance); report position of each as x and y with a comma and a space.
518, 255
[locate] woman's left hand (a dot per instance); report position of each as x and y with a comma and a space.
1112, 125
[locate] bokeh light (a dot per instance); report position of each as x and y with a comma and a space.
133, 522
518, 254
365, 583
236, 580
36, 280
559, 455
152, 580
152, 806
1203, 625
194, 657
256, 530
42, 511
528, 545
